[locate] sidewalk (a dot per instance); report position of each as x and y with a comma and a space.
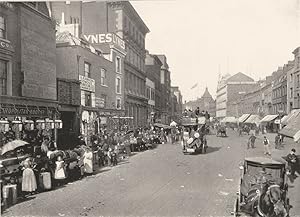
277, 154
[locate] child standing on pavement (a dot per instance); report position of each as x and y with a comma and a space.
251, 141
266, 146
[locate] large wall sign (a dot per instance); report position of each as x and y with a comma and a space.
86, 83
105, 38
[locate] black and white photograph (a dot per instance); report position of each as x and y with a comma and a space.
159, 108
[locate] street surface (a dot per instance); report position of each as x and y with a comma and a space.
158, 182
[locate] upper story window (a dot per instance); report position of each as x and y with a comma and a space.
88, 98
87, 69
118, 85
3, 77
2, 27
103, 77
118, 64
118, 103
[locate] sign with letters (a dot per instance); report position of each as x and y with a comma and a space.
86, 83
5, 44
105, 38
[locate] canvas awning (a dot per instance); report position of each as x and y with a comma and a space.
268, 118
290, 116
292, 127
253, 119
243, 118
297, 136
283, 119
229, 120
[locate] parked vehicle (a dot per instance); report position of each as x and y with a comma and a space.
263, 189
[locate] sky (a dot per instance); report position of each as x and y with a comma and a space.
202, 38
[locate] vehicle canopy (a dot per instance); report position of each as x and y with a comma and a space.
253, 165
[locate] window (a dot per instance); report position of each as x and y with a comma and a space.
87, 69
291, 89
88, 98
118, 85
291, 78
118, 103
118, 64
3, 77
104, 100
148, 92
298, 80
2, 27
103, 77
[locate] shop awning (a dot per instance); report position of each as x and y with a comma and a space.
268, 118
292, 128
201, 120
284, 119
243, 118
229, 120
290, 116
161, 125
253, 119
297, 136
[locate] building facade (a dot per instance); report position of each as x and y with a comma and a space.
150, 93
289, 70
28, 62
296, 76
119, 24
101, 89
230, 90
165, 91
153, 66
176, 104
279, 92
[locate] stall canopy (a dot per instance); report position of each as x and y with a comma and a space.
229, 120
297, 136
284, 119
290, 116
201, 120
253, 119
268, 118
243, 118
292, 127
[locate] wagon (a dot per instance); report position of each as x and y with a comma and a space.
263, 189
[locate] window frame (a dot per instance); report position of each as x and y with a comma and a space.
4, 79
5, 26
103, 80
85, 72
120, 99
118, 77
118, 65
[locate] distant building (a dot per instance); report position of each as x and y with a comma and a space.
231, 89
206, 103
176, 104
296, 87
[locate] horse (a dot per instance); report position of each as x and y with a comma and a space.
272, 202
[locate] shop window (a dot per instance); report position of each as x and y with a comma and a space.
3, 77
118, 103
2, 27
118, 64
88, 98
118, 85
87, 69
103, 77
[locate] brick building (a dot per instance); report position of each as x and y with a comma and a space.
153, 66
230, 90
296, 79
101, 93
165, 91
27, 61
176, 104
279, 91
118, 23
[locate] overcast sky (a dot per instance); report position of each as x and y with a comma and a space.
202, 37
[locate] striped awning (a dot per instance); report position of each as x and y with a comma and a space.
253, 119
290, 116
268, 118
243, 118
229, 120
292, 128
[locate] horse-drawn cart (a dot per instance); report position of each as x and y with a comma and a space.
263, 189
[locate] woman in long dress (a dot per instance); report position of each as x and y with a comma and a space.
88, 161
28, 178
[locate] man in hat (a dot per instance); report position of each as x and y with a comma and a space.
292, 162
266, 143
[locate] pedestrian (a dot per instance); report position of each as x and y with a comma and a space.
59, 174
266, 146
29, 184
292, 162
251, 141
88, 161
277, 141
109, 156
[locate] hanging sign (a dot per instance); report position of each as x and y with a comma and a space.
86, 83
